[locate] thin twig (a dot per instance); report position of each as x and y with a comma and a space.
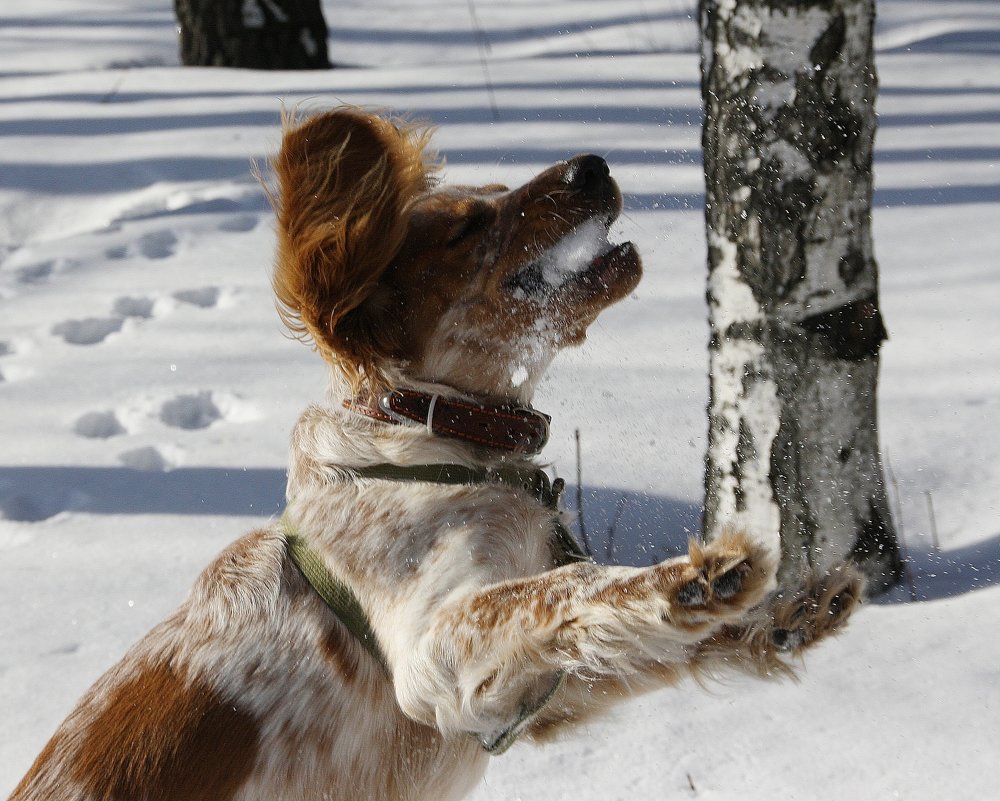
934, 529
904, 547
612, 529
484, 52
908, 567
579, 494
116, 88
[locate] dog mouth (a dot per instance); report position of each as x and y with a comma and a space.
582, 263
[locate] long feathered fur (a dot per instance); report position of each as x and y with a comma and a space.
254, 690
345, 182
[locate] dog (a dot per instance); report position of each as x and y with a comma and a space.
420, 605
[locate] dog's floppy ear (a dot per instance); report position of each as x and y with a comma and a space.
346, 179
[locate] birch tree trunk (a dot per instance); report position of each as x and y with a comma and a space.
253, 34
789, 91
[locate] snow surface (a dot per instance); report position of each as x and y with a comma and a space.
147, 390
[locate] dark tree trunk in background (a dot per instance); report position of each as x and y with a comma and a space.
789, 90
254, 34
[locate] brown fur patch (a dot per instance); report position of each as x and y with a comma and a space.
341, 650
160, 736
345, 182
372, 256
36, 774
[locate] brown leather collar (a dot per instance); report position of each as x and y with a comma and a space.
502, 426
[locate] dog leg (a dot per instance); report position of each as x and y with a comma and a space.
489, 655
759, 643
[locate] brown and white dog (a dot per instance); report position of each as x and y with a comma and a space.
438, 308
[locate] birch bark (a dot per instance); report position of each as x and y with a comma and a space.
789, 91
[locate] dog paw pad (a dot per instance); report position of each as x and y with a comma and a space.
691, 594
730, 583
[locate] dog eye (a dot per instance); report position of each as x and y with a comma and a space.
470, 225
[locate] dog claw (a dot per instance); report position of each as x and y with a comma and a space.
787, 639
839, 604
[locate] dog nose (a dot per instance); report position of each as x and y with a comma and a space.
586, 173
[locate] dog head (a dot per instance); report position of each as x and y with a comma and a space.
395, 276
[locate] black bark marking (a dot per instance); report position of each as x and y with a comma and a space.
828, 47
749, 331
797, 5
784, 207
853, 332
746, 453
852, 264
820, 124
876, 544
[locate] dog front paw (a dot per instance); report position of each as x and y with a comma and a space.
817, 609
720, 580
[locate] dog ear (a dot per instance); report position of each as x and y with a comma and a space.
346, 180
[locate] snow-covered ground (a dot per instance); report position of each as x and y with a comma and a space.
147, 390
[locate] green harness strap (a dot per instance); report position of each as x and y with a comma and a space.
338, 596
532, 480
345, 605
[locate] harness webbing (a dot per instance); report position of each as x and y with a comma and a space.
345, 605
338, 596
533, 480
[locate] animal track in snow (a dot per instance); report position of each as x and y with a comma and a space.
240, 224
36, 273
94, 330
205, 297
149, 459
24, 509
134, 307
190, 411
5, 348
154, 245
98, 425
28, 507
200, 409
158, 244
88, 331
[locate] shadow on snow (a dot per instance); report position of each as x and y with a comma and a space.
945, 574
622, 527
31, 494
646, 528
